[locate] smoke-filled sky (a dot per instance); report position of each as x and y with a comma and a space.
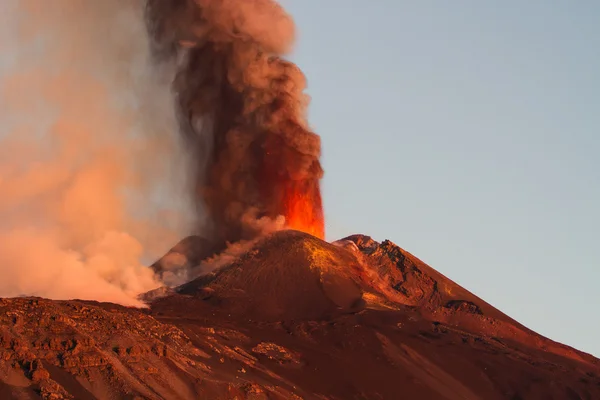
467, 133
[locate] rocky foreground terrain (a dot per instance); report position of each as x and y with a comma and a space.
294, 318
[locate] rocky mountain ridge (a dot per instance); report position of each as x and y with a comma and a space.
295, 317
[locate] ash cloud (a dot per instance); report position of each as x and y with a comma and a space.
241, 109
93, 178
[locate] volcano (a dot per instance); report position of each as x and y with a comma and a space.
294, 317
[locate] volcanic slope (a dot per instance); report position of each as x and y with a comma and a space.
295, 317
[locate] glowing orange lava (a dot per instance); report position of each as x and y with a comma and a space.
303, 209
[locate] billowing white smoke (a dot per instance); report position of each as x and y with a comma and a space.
89, 177
176, 268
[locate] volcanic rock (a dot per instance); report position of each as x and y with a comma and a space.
290, 275
294, 318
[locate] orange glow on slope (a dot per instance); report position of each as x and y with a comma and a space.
303, 209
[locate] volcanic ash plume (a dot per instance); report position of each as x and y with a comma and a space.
86, 156
242, 112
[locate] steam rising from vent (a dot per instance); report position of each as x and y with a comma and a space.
242, 112
91, 171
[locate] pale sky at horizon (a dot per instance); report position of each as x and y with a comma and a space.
465, 132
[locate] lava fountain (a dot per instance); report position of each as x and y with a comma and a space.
303, 208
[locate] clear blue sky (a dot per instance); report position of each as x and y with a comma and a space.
467, 133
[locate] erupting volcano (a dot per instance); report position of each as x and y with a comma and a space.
242, 113
246, 310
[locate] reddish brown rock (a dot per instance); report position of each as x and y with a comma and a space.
296, 318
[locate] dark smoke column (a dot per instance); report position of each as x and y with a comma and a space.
242, 112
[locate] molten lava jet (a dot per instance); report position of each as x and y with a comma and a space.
296, 196
303, 209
